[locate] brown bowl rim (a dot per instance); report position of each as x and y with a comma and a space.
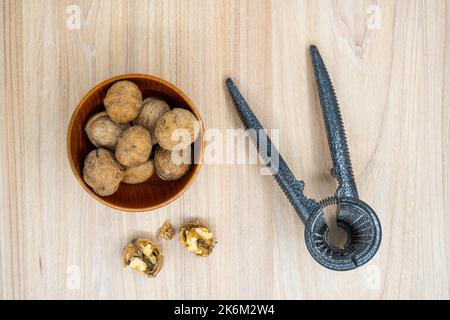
130, 76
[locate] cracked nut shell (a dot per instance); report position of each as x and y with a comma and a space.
197, 238
172, 165
139, 173
168, 124
133, 146
152, 109
103, 132
123, 101
144, 256
102, 172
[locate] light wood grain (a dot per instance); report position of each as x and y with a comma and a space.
393, 85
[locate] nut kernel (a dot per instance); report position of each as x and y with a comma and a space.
166, 231
138, 264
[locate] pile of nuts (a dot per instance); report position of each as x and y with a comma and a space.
146, 257
125, 135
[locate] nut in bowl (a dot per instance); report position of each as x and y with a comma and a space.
129, 141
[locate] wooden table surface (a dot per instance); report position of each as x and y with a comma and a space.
390, 63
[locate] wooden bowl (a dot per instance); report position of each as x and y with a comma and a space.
155, 192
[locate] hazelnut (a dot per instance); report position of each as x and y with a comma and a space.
152, 109
172, 165
123, 101
197, 238
102, 172
178, 127
166, 231
139, 173
103, 132
144, 256
133, 146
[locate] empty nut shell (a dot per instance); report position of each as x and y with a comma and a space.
172, 165
123, 101
139, 173
152, 109
102, 172
133, 146
197, 238
178, 127
144, 256
103, 132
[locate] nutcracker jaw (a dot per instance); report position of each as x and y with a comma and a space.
363, 235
